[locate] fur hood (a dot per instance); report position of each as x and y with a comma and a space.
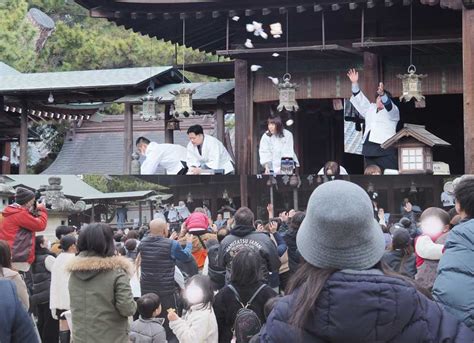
88, 266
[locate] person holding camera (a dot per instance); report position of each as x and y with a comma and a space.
21, 221
381, 119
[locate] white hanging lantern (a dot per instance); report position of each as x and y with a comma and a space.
411, 84
287, 96
183, 102
150, 106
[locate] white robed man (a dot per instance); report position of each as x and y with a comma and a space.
171, 157
381, 119
206, 152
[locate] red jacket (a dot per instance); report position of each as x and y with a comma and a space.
18, 228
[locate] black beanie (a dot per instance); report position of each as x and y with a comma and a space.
23, 195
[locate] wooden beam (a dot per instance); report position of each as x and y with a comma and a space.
370, 79
315, 48
24, 138
468, 81
243, 112
220, 124
128, 139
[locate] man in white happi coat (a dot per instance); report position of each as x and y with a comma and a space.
171, 157
381, 119
206, 152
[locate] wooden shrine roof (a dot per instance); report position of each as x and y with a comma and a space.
206, 92
419, 133
210, 24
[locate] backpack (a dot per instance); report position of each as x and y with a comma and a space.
246, 324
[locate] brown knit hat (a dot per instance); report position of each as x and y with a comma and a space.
23, 195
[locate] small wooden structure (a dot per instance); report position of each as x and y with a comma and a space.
415, 144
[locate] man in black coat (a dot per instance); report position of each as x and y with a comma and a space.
244, 235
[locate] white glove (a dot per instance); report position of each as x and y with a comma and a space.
53, 314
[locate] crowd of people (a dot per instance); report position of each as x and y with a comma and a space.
333, 273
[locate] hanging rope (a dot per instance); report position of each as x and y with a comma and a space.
184, 44
411, 34
287, 41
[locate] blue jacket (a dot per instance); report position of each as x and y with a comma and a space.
15, 323
454, 285
366, 307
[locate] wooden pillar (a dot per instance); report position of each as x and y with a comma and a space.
370, 80
152, 212
92, 220
244, 196
24, 138
128, 139
169, 134
242, 116
139, 213
468, 80
6, 165
243, 132
220, 123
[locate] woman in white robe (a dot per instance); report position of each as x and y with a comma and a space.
276, 143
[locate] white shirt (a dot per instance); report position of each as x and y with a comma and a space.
382, 125
342, 171
167, 156
59, 290
214, 155
273, 149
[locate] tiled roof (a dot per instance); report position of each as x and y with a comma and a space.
5, 69
206, 92
73, 186
79, 79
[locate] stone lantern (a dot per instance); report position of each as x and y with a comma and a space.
6, 192
59, 207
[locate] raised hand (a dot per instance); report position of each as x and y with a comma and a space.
380, 89
353, 75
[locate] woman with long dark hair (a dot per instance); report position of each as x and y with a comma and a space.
401, 258
6, 272
99, 287
342, 293
276, 143
41, 268
246, 279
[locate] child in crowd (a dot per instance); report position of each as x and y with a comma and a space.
400, 257
148, 328
429, 247
199, 323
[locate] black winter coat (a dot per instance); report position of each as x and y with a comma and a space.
226, 307
394, 259
366, 308
294, 256
246, 237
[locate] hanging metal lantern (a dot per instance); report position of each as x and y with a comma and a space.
411, 84
287, 95
225, 195
295, 181
172, 124
150, 106
183, 102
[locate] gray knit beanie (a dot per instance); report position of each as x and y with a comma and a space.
339, 230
